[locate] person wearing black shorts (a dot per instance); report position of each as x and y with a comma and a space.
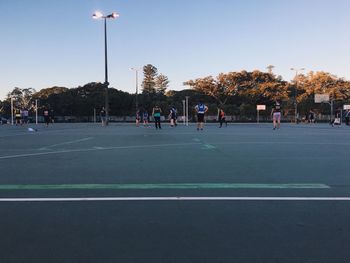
46, 117
276, 115
201, 109
156, 115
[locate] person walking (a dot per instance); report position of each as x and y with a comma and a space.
276, 115
103, 117
311, 116
201, 109
156, 112
222, 118
173, 116
46, 117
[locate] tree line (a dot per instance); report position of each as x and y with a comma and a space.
237, 93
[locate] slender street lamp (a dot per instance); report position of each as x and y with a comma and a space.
12, 109
297, 70
99, 15
137, 85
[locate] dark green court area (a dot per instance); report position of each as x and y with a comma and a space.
242, 193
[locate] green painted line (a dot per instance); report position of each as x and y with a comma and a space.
208, 147
160, 186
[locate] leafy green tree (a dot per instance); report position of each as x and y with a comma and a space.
22, 97
217, 88
149, 82
161, 84
45, 93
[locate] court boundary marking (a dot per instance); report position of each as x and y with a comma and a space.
172, 198
66, 143
95, 149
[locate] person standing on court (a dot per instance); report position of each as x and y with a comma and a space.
138, 118
222, 117
201, 109
156, 112
46, 117
25, 114
347, 117
145, 118
103, 117
276, 115
18, 116
173, 116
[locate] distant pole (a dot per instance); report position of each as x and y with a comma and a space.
94, 115
36, 112
106, 74
12, 110
137, 86
332, 111
258, 116
184, 111
99, 15
296, 92
187, 110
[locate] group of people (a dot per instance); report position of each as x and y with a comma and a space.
201, 109
156, 113
21, 116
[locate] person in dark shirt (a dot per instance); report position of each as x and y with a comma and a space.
201, 109
156, 115
276, 115
222, 117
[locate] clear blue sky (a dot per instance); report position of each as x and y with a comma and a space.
46, 43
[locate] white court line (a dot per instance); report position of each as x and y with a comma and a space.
15, 135
99, 199
95, 149
66, 143
283, 142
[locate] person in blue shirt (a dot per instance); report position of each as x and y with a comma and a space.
145, 118
173, 116
201, 109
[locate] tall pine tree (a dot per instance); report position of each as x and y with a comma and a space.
149, 81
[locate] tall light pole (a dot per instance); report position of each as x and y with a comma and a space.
36, 112
137, 86
12, 109
297, 70
99, 15
187, 97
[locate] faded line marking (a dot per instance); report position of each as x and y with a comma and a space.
284, 142
95, 149
65, 143
208, 147
162, 186
99, 199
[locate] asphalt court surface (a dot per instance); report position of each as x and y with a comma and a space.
86, 193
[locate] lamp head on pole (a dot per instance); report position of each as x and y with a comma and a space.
99, 15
